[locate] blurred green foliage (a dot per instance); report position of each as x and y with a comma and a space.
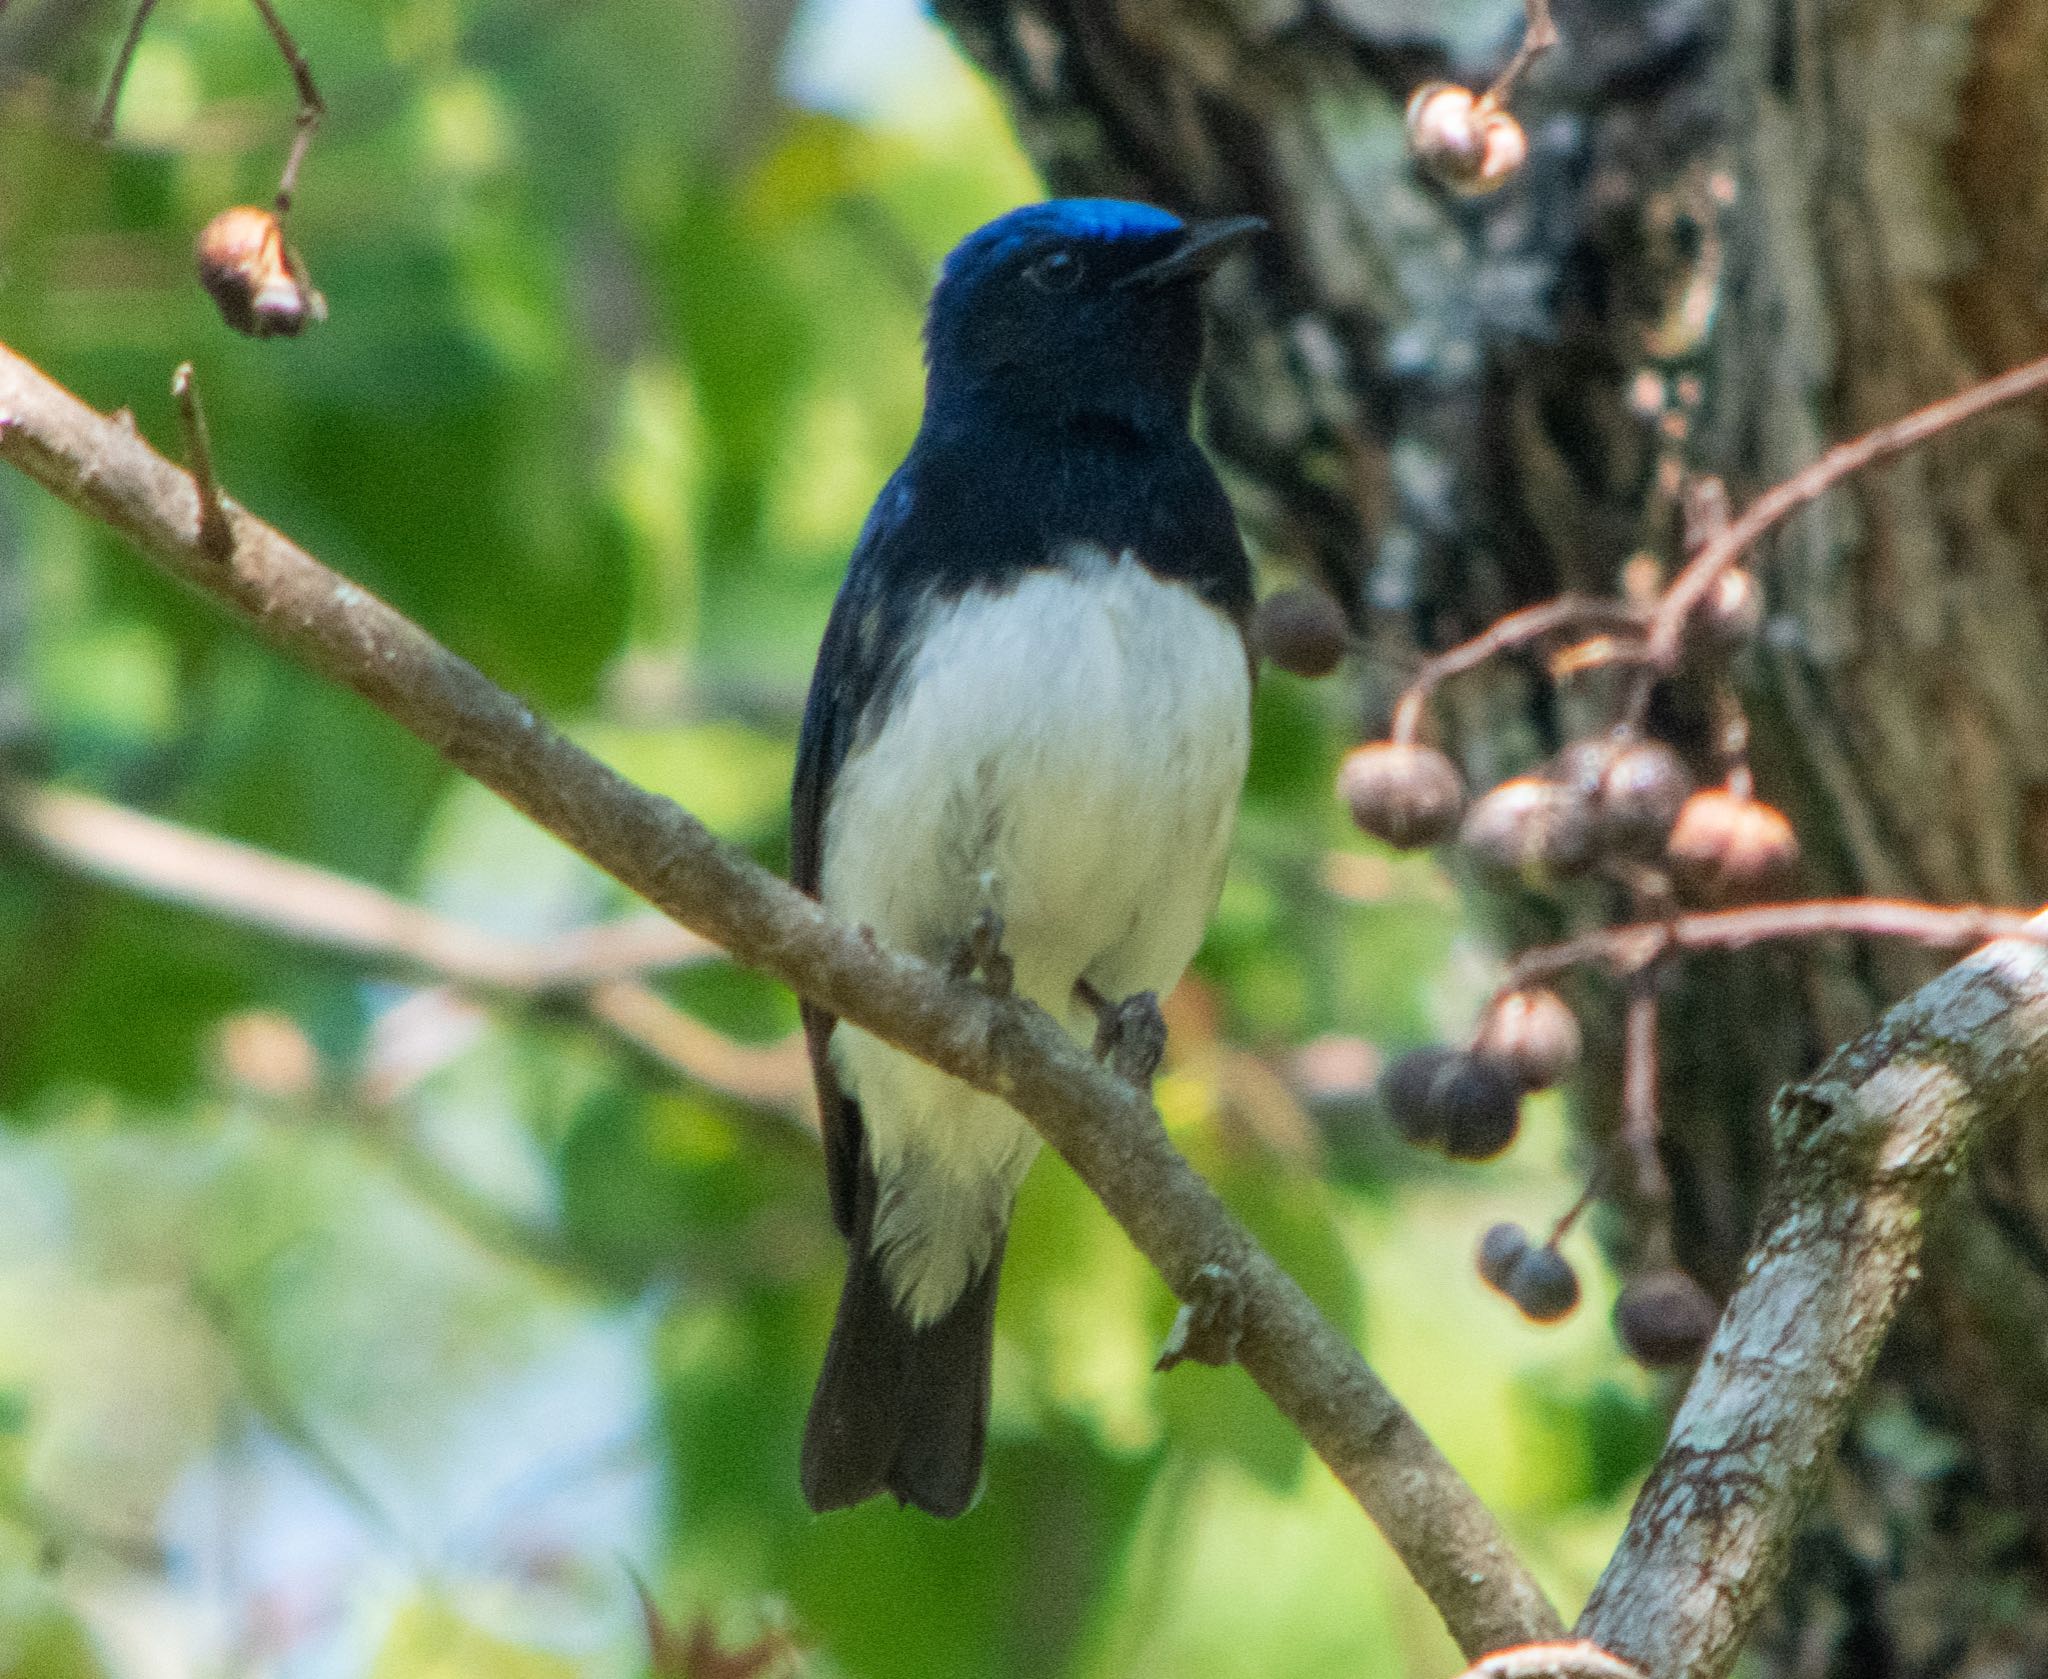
349, 1329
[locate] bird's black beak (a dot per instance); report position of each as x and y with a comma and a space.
1201, 248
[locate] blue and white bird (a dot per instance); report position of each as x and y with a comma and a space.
1030, 718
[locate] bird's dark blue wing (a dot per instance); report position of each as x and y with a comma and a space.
862, 641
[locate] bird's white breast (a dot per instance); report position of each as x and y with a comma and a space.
1067, 751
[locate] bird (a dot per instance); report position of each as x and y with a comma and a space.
1021, 755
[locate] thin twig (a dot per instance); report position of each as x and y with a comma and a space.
1539, 35
103, 124
1517, 629
1106, 1130
1722, 550
215, 536
1630, 949
1639, 1123
1577, 1210
311, 106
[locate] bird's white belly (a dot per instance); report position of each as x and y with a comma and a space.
1069, 753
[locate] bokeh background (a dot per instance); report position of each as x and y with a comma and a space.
356, 1325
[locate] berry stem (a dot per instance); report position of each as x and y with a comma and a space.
1517, 629
1639, 1120
1630, 949
1729, 543
1539, 35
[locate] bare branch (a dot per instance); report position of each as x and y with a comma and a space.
1732, 540
1108, 1132
313, 906
1865, 1150
595, 967
311, 106
1630, 949
1639, 1123
1517, 629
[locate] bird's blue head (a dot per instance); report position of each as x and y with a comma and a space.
1076, 307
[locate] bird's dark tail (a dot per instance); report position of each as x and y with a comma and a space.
900, 1409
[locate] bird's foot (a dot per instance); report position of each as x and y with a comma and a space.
1210, 1321
981, 952
1130, 1036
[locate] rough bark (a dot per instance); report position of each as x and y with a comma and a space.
1824, 212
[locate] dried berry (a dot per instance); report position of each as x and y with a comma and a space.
1665, 1318
1301, 630
1500, 1251
1725, 847
1453, 1100
1464, 139
255, 279
1406, 795
1732, 610
1639, 799
1533, 1034
1543, 1284
1530, 829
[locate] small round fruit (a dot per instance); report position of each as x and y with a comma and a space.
1665, 1318
1543, 1284
1500, 1251
1301, 630
1407, 795
1639, 799
1452, 1100
255, 279
1530, 829
1724, 847
1533, 1034
1732, 610
1463, 138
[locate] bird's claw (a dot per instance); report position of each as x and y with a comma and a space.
1130, 1036
981, 953
1209, 1324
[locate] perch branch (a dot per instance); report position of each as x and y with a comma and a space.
1864, 1152
1108, 1132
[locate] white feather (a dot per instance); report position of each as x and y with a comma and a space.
1068, 752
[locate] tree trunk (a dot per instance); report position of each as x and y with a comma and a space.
1745, 231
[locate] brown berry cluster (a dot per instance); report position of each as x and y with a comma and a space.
1468, 141
1537, 1278
1622, 799
1467, 1102
1620, 808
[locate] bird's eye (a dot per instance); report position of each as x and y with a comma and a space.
1056, 271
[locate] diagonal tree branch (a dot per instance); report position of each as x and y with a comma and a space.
597, 969
1865, 1151
1107, 1131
